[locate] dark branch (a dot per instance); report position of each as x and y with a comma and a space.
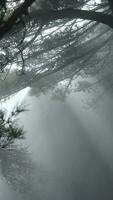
54, 15
75, 14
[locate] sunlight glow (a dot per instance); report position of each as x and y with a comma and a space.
14, 100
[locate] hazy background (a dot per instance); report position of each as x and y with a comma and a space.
67, 150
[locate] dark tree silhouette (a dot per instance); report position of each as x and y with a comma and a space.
9, 130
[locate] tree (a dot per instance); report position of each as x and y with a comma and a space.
17, 169
9, 130
42, 37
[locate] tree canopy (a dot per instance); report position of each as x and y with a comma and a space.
41, 37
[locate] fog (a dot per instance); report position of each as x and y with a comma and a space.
66, 153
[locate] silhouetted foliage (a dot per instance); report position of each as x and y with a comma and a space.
9, 130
